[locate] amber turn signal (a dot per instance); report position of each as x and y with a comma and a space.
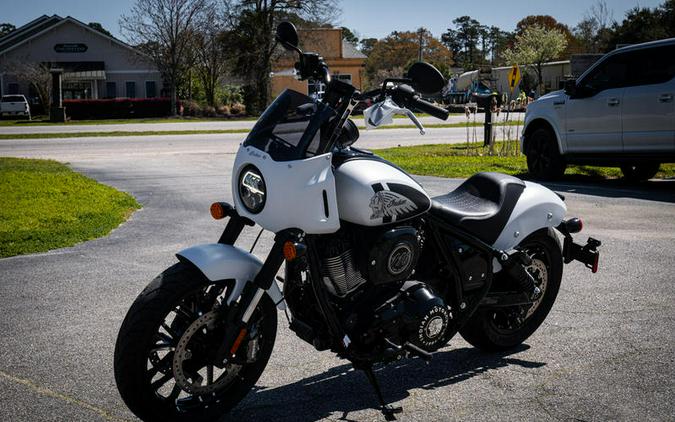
290, 251
217, 211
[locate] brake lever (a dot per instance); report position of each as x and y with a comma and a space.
412, 117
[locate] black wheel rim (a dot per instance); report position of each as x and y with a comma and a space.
160, 365
508, 320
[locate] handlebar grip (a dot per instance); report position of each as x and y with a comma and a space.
429, 108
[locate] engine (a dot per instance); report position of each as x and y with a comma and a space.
370, 272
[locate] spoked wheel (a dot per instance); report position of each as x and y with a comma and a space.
500, 329
164, 357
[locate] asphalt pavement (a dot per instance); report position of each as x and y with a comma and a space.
606, 352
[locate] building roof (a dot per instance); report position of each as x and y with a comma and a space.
44, 23
349, 51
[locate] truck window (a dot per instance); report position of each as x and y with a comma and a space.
611, 73
651, 66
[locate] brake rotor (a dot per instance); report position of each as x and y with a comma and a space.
540, 274
190, 380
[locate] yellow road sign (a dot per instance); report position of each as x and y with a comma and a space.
514, 77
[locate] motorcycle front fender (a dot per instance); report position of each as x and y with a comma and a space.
226, 262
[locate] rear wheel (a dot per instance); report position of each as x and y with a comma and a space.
164, 366
501, 329
543, 158
639, 172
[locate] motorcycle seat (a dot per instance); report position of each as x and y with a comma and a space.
481, 205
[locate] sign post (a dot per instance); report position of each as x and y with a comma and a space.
514, 81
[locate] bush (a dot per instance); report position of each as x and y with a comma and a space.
237, 108
224, 110
117, 108
192, 108
209, 111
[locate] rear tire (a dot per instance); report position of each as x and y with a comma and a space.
639, 172
543, 158
146, 326
485, 330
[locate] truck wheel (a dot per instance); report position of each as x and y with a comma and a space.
639, 172
543, 158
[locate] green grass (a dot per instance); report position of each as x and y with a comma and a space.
45, 205
44, 120
459, 161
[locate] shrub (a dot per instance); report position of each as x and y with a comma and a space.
238, 109
117, 108
224, 110
192, 108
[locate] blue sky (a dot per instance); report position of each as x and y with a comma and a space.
369, 18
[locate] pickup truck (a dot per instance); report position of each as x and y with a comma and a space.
619, 113
14, 105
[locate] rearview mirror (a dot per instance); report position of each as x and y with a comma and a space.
425, 78
287, 35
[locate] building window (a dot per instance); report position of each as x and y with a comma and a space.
150, 89
131, 89
344, 77
12, 88
110, 90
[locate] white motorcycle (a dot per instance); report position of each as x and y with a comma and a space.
375, 269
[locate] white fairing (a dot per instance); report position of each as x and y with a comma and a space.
359, 203
538, 207
225, 262
295, 192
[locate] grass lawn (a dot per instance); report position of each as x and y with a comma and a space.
45, 205
44, 120
459, 161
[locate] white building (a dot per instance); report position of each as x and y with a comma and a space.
95, 65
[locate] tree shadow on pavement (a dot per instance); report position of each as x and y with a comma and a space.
344, 390
654, 190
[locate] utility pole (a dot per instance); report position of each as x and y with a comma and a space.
420, 34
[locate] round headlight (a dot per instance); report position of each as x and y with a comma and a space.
252, 189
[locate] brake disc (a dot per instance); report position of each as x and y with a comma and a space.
192, 381
540, 274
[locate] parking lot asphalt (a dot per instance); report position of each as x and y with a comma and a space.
606, 352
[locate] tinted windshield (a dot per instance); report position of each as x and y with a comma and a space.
290, 128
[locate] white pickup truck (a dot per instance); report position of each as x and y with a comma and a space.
620, 112
14, 105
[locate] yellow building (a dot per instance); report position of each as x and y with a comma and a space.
344, 60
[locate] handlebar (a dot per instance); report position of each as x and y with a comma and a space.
429, 108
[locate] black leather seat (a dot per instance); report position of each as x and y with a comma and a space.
481, 205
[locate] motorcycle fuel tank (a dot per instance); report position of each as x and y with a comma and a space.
373, 192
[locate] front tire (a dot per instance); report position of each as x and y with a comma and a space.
505, 328
145, 353
544, 161
639, 172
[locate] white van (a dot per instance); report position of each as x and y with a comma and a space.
620, 112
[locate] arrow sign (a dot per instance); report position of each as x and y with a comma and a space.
514, 77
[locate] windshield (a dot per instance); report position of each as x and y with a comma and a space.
290, 128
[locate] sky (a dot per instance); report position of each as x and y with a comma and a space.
368, 18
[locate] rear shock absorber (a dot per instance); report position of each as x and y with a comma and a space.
515, 266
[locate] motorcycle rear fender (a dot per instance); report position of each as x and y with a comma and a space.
538, 207
226, 262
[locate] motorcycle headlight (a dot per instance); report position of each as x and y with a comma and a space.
252, 189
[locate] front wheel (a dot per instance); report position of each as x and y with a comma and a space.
164, 366
505, 328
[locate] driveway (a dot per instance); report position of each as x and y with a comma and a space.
605, 352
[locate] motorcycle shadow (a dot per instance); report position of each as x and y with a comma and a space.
344, 390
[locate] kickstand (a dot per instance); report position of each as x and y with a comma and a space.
387, 410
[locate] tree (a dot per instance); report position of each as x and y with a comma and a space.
401, 49
210, 42
644, 24
349, 35
36, 75
6, 28
463, 40
98, 27
592, 31
253, 23
549, 22
535, 46
498, 41
367, 45
163, 30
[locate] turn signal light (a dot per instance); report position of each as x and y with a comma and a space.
217, 211
574, 225
293, 250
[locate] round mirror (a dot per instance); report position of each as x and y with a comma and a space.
426, 79
287, 35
